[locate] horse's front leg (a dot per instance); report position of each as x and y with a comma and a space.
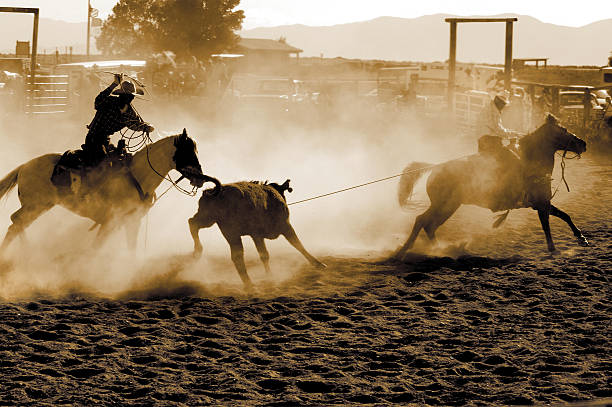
132, 227
554, 211
543, 214
103, 234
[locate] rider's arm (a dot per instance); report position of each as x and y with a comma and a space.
507, 133
134, 122
103, 96
499, 130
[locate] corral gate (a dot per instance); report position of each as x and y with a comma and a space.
467, 109
49, 94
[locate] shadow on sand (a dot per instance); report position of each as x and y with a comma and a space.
416, 266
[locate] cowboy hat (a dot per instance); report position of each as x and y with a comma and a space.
127, 87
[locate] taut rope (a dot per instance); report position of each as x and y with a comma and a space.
375, 181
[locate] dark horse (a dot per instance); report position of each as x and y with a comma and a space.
474, 181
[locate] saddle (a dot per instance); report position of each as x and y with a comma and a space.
71, 162
74, 171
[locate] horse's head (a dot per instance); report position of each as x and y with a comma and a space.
562, 139
186, 161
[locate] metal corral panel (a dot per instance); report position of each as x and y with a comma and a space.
48, 95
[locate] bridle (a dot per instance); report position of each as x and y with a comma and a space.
135, 142
194, 189
142, 138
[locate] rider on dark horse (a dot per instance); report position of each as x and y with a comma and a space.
113, 113
490, 143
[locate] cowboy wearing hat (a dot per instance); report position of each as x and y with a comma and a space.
490, 122
113, 113
490, 143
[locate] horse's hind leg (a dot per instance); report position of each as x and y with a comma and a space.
291, 236
22, 218
543, 213
554, 211
419, 223
441, 216
260, 244
430, 221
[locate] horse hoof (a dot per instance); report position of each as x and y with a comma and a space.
320, 265
582, 241
398, 255
197, 254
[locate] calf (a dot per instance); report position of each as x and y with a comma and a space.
251, 208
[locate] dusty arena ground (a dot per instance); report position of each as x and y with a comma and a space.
486, 318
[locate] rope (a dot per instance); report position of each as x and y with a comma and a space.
373, 182
427, 168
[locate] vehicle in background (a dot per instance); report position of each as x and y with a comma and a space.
606, 72
271, 96
571, 108
603, 98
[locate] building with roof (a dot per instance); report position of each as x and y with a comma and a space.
265, 53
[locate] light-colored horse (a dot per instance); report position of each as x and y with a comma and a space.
121, 198
474, 181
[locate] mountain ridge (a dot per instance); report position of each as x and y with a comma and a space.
479, 43
424, 38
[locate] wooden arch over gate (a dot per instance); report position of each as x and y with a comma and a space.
34, 34
452, 58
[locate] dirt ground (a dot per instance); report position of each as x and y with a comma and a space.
491, 320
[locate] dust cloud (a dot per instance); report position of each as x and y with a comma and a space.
61, 257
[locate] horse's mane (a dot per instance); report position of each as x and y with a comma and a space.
184, 142
532, 140
178, 141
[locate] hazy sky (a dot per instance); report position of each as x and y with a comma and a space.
329, 12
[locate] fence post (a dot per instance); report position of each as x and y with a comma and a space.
508, 57
587, 110
555, 100
452, 59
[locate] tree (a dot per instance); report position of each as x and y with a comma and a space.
185, 27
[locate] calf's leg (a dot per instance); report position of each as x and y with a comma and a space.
194, 228
260, 244
237, 253
291, 236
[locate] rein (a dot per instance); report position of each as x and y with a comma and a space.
144, 140
175, 184
563, 157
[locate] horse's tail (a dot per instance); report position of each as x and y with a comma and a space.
7, 183
411, 174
